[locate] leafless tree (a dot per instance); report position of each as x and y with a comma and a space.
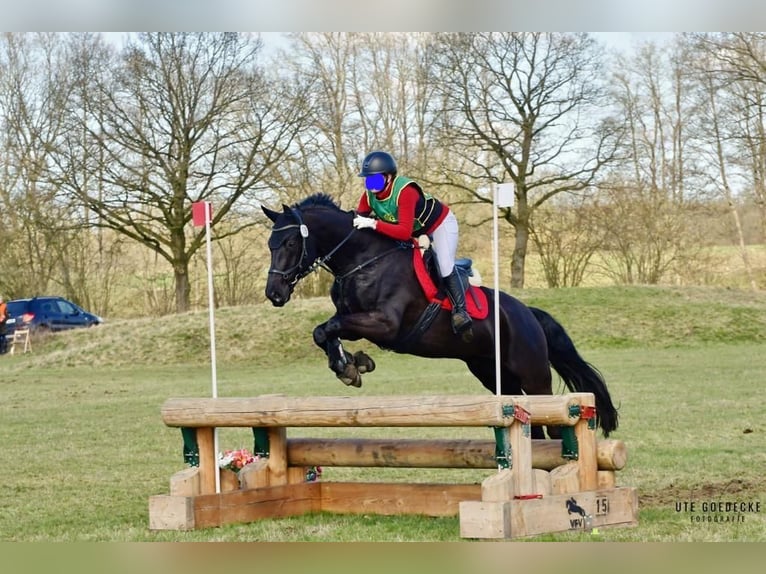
37, 223
652, 191
524, 107
178, 118
370, 91
731, 90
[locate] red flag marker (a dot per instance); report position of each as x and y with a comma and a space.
198, 213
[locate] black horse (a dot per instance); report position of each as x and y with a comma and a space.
377, 297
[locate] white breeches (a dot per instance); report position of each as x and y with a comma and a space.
445, 239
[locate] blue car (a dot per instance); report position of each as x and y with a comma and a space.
47, 314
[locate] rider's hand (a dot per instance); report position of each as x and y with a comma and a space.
361, 222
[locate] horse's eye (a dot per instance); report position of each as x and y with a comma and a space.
291, 243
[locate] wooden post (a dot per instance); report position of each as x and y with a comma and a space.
207, 460
521, 444
277, 456
585, 431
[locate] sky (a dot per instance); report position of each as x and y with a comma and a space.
404, 15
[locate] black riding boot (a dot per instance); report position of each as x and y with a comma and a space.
461, 321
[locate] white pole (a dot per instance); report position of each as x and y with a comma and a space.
496, 265
211, 314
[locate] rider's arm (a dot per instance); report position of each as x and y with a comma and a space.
402, 230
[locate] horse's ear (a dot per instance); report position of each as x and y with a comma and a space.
286, 209
271, 214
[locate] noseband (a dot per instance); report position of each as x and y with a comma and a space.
304, 252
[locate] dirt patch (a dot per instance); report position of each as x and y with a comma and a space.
731, 489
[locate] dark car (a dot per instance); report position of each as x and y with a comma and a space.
47, 314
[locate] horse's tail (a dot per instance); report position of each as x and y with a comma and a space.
578, 375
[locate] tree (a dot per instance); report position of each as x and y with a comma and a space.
651, 193
38, 226
177, 118
730, 98
527, 108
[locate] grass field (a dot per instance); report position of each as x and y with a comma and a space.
85, 446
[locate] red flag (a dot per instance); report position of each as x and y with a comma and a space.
198, 213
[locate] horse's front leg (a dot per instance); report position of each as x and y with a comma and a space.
327, 336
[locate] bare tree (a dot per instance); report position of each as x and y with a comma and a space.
527, 108
38, 224
728, 106
566, 236
651, 192
183, 117
370, 91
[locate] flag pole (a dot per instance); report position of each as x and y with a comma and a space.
503, 195
211, 315
202, 214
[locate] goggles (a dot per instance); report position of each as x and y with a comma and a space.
375, 182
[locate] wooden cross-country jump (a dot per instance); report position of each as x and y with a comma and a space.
537, 486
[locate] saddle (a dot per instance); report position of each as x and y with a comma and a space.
424, 263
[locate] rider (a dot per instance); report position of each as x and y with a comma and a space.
403, 211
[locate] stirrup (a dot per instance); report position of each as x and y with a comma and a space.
461, 322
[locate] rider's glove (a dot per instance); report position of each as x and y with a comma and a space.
361, 222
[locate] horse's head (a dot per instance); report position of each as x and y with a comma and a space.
292, 253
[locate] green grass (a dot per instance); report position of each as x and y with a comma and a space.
85, 446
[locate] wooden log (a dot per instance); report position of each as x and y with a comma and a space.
185, 482
606, 479
554, 409
255, 474
433, 453
229, 480
565, 479
371, 411
499, 487
542, 481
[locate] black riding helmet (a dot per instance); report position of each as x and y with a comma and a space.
378, 162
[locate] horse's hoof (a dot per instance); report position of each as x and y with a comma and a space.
350, 376
363, 362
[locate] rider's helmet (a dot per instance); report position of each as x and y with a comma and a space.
378, 162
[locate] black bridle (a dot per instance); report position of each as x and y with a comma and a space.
322, 261
318, 262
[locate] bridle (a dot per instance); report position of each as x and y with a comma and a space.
318, 262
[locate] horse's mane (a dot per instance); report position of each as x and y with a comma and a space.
318, 200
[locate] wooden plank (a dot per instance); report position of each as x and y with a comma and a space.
395, 411
433, 453
559, 513
394, 499
485, 519
574, 512
244, 506
171, 512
